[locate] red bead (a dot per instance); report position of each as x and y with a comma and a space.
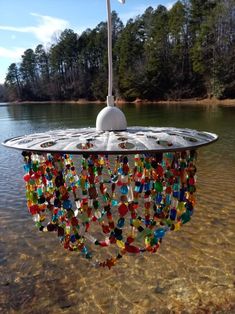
34, 209
103, 243
147, 205
91, 178
168, 190
129, 239
26, 177
111, 225
113, 187
132, 249
112, 240
74, 221
123, 210
102, 188
109, 216
160, 170
191, 181
133, 215
105, 229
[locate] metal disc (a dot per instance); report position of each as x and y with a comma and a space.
132, 140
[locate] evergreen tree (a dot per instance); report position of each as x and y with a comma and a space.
13, 83
157, 56
187, 51
130, 50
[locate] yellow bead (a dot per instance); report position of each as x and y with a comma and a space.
147, 241
181, 205
120, 244
136, 223
177, 226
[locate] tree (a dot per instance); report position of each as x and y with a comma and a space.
187, 51
157, 55
3, 96
13, 83
43, 72
213, 50
130, 50
28, 71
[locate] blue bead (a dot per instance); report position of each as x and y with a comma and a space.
158, 198
49, 177
168, 199
147, 222
27, 167
159, 233
120, 171
114, 202
60, 213
147, 186
84, 250
121, 222
176, 194
54, 218
73, 238
173, 213
137, 189
67, 204
124, 189
182, 196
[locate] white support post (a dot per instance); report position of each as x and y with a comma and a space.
110, 118
110, 98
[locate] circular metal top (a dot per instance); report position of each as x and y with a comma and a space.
131, 141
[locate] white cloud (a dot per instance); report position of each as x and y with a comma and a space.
169, 5
133, 13
14, 53
47, 26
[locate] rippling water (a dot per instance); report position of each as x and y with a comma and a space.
194, 269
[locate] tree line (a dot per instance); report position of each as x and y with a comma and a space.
185, 52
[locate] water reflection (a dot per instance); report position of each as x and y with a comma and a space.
193, 271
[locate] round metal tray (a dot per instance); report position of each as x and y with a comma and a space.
132, 140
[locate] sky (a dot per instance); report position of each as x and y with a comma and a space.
26, 23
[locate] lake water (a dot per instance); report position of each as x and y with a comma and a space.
194, 269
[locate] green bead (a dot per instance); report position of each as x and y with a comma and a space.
96, 204
34, 197
38, 224
35, 167
148, 232
153, 241
148, 165
158, 186
185, 217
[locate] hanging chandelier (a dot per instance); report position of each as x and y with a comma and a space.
113, 187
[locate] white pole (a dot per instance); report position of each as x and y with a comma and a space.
110, 118
110, 98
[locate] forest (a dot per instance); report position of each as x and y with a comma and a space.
181, 53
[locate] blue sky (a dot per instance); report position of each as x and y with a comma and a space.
26, 23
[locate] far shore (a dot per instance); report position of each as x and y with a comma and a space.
191, 101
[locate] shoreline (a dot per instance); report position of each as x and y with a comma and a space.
121, 102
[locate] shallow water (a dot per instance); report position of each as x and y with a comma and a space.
193, 271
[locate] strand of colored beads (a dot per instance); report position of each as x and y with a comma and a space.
166, 183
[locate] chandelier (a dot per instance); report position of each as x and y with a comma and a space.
115, 188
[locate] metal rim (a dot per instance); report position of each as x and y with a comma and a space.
133, 140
